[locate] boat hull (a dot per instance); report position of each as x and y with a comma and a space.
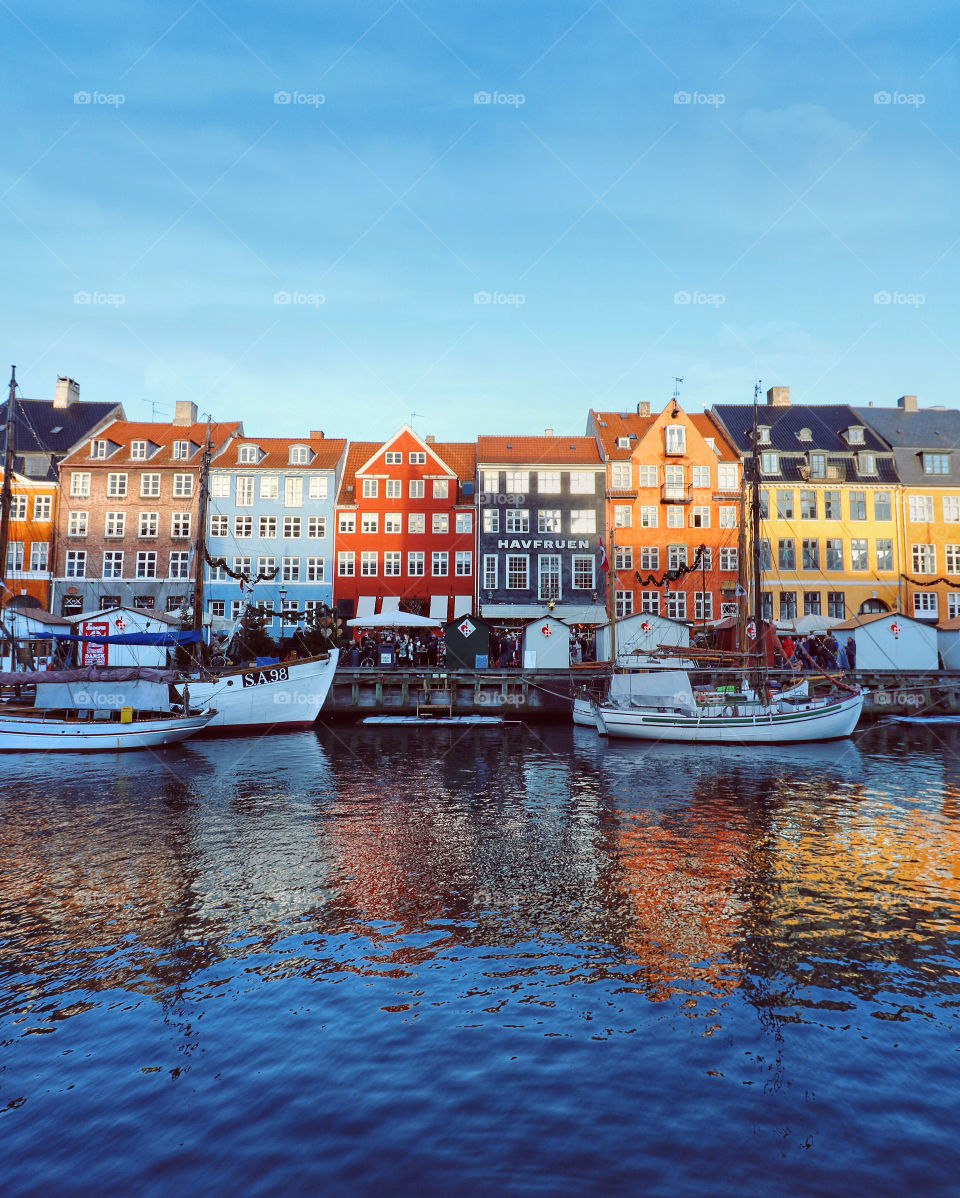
284, 696
831, 721
37, 734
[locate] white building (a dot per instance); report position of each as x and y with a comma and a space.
890, 641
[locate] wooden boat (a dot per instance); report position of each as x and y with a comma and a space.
287, 695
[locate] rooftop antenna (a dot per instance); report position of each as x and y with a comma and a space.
155, 406
676, 395
412, 414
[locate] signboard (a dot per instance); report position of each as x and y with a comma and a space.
751, 630
466, 627
71, 605
94, 655
264, 677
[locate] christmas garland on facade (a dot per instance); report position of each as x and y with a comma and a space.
672, 575
929, 582
220, 563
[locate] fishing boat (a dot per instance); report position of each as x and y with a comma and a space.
97, 710
662, 706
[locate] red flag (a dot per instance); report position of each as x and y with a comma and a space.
604, 564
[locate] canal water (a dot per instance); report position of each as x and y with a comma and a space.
482, 961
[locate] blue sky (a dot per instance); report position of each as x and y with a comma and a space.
811, 227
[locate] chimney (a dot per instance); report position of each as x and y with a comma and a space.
548, 432
643, 408
778, 397
430, 438
185, 413
907, 403
316, 434
67, 393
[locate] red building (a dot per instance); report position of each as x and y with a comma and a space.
405, 526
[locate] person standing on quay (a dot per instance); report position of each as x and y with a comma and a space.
851, 653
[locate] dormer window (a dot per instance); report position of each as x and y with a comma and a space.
804, 435
854, 434
866, 463
181, 450
98, 449
675, 439
936, 463
623, 442
299, 455
138, 450
818, 465
769, 463
248, 455
763, 434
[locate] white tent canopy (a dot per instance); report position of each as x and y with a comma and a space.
393, 619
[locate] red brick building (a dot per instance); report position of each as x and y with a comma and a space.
405, 526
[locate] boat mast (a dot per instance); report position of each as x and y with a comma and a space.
199, 555
755, 521
6, 499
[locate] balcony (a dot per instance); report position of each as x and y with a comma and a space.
676, 493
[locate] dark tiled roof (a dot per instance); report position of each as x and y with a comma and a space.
825, 421
793, 469
39, 427
912, 432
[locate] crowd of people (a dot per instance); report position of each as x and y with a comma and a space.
820, 651
410, 650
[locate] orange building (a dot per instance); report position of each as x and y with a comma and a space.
673, 484
33, 520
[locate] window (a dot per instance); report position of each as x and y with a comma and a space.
291, 527
676, 605
518, 481
859, 558
244, 490
700, 476
368, 563
675, 438
299, 455
622, 515
75, 564
700, 516
181, 450
648, 515
620, 476
583, 521
624, 603
393, 457
464, 521
79, 484
491, 519
584, 573
808, 505
416, 523
727, 478
834, 553
441, 488
728, 516
548, 568
98, 449
831, 505
764, 505
149, 524
623, 557
415, 563
810, 553
953, 605
858, 505
951, 509
784, 505
464, 563
920, 508
811, 603
41, 507
290, 569
935, 463
248, 454
370, 522
243, 526
15, 555
269, 486
316, 527
866, 463
818, 465
440, 563
786, 554
763, 434
490, 571
582, 482
315, 569
728, 561
490, 481
39, 555
416, 489
674, 516
673, 483
518, 520
113, 563
676, 556
417, 457
769, 463
650, 602
766, 605
706, 559
393, 523
391, 563
855, 435
241, 565
518, 572
267, 526
439, 523
347, 522
235, 608
924, 559
293, 491
924, 604
116, 486
182, 486
147, 564
788, 605
219, 485
394, 488
371, 487
219, 526
216, 574
179, 564
317, 488
647, 476
623, 442
804, 435
649, 557
345, 564
766, 561
884, 554
266, 564
77, 524
952, 558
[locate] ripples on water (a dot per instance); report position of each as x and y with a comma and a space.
484, 961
